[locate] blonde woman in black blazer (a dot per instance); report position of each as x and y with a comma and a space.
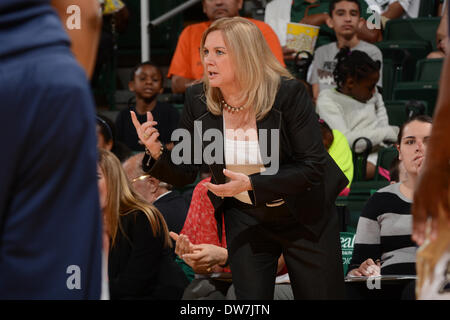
285, 206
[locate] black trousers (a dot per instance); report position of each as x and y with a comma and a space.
257, 236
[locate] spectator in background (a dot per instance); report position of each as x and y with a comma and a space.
50, 222
345, 16
186, 65
280, 12
146, 82
169, 202
441, 38
355, 108
200, 246
106, 138
141, 264
337, 146
383, 243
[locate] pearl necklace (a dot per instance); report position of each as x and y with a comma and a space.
229, 108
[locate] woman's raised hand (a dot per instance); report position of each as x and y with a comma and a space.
147, 133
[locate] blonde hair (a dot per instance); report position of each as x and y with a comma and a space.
121, 199
258, 72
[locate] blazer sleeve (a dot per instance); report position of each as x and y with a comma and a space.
301, 137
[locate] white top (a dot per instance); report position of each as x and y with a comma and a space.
243, 156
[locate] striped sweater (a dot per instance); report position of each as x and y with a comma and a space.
384, 232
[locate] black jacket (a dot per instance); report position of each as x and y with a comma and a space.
308, 179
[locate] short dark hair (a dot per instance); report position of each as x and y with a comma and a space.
146, 63
421, 118
356, 64
107, 128
333, 4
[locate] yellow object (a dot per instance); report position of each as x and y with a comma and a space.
301, 37
112, 6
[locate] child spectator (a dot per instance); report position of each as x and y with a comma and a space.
147, 82
337, 146
345, 17
355, 108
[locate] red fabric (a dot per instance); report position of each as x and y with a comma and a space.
200, 225
186, 61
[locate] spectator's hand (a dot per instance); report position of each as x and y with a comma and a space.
288, 53
431, 198
207, 258
148, 134
238, 183
368, 268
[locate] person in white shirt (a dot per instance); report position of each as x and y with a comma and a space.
344, 20
394, 9
355, 108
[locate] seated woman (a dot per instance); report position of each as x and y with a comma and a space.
355, 108
199, 245
383, 243
141, 264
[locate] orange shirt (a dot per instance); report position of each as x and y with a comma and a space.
186, 60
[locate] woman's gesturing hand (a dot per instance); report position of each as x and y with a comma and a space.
148, 134
238, 183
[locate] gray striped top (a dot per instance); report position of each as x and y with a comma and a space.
384, 232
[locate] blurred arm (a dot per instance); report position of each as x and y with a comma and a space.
85, 39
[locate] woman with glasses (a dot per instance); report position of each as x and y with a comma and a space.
141, 264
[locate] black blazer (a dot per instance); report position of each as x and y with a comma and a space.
139, 267
308, 179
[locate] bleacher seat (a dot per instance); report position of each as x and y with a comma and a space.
426, 91
428, 70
